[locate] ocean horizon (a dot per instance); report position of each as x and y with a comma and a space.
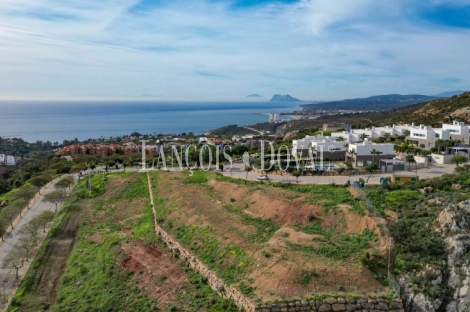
57, 121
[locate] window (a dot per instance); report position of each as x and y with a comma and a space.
430, 144
419, 135
454, 131
437, 135
397, 179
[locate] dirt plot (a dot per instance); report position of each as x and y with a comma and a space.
280, 263
156, 272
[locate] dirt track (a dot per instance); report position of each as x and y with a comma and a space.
56, 255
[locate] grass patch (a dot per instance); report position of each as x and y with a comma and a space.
265, 228
229, 262
198, 177
337, 245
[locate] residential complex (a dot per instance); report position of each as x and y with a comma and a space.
357, 146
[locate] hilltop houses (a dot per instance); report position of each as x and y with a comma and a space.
357, 144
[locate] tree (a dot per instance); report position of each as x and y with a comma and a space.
386, 137
15, 259
31, 229
296, 174
459, 159
54, 197
339, 139
44, 218
19, 204
410, 159
374, 152
26, 193
64, 183
371, 168
349, 166
27, 243
9, 214
363, 136
39, 182
247, 169
406, 132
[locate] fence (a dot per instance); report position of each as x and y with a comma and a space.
385, 232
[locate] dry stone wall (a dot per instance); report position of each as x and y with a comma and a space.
232, 293
335, 304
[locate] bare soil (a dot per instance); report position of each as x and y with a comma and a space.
274, 276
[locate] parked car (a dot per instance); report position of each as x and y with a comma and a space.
263, 178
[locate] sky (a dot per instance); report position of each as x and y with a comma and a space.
198, 50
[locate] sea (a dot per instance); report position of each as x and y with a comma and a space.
58, 121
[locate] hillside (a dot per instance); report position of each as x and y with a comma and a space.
102, 254
432, 113
378, 102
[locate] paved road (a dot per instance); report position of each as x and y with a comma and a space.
238, 171
11, 239
431, 172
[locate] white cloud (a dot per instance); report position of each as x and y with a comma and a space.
198, 50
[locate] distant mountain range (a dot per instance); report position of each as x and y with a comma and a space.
254, 95
377, 102
449, 94
432, 113
283, 98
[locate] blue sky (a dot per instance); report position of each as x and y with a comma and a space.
225, 50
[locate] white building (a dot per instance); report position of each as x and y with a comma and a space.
458, 131
11, 161
360, 153
273, 117
321, 146
7, 160
202, 139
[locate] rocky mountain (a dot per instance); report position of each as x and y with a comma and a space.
283, 98
447, 287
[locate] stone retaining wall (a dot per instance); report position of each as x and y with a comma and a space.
232, 293
335, 304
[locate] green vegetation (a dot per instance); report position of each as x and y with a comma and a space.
198, 177
91, 187
306, 276
228, 261
265, 228
335, 245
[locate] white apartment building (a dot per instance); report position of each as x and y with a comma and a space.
360, 153
320, 145
2, 158
427, 135
458, 131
